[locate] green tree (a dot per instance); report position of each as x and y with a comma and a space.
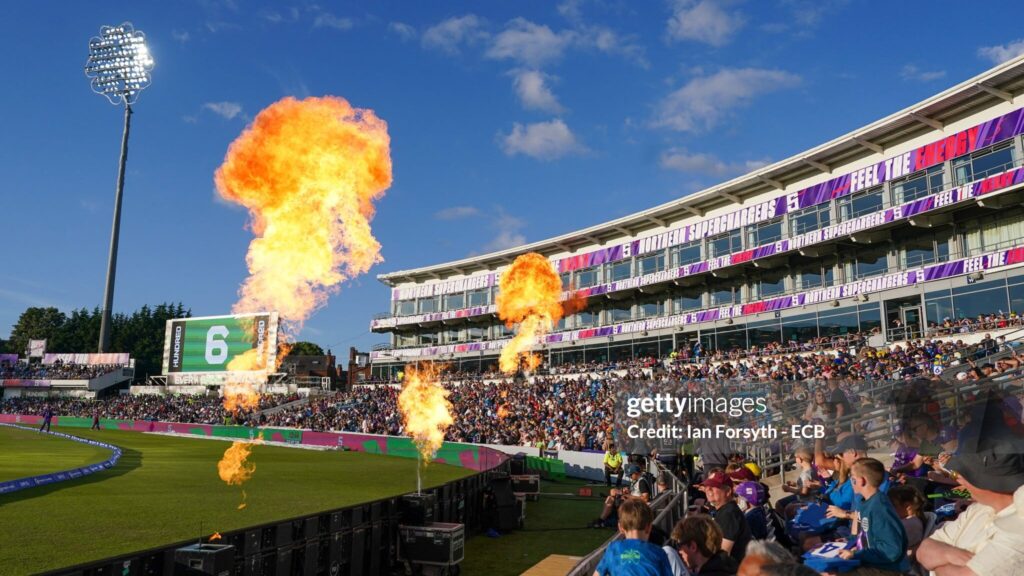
34, 324
305, 349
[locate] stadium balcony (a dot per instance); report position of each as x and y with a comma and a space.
80, 375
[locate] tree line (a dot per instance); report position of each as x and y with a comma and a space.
140, 334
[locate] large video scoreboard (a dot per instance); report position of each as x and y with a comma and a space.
207, 345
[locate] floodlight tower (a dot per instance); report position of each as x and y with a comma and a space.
118, 67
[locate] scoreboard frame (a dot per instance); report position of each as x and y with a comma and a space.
217, 344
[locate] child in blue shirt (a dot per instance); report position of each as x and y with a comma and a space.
634, 555
881, 539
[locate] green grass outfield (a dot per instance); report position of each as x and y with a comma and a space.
164, 487
24, 453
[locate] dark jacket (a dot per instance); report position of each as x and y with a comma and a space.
720, 564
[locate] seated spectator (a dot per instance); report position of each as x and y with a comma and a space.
881, 538
802, 490
987, 539
640, 485
761, 554
609, 513
764, 523
634, 555
699, 542
612, 466
735, 532
909, 504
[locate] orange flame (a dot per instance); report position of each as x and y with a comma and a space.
241, 395
233, 468
215, 536
426, 411
529, 297
308, 172
502, 412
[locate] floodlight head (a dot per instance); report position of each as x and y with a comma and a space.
119, 63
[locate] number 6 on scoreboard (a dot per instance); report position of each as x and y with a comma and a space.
216, 347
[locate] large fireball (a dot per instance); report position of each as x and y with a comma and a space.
528, 298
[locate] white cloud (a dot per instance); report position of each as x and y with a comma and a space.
328, 20
610, 42
403, 30
703, 21
541, 140
456, 212
533, 91
529, 43
508, 233
911, 72
226, 110
1003, 52
701, 163
703, 101
448, 35
570, 10
181, 36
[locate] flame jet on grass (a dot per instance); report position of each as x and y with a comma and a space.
426, 411
309, 172
529, 302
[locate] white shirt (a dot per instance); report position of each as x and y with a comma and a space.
996, 539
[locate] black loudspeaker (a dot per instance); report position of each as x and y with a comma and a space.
501, 486
310, 559
198, 559
250, 566
340, 521
517, 465
358, 516
283, 563
526, 484
357, 553
339, 552
434, 544
283, 535
374, 551
246, 543
416, 509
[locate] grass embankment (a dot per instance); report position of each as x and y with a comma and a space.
26, 453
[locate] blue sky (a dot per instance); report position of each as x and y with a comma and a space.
510, 122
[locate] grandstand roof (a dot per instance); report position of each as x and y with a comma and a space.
1001, 83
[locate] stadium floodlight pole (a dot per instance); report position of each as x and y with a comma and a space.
118, 67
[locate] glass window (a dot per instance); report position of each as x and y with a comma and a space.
651, 307
475, 333
1017, 299
652, 263
769, 283
922, 250
428, 305
687, 300
870, 262
859, 204
621, 270
838, 324
586, 278
802, 328
765, 232
406, 308
618, 312
429, 339
983, 163
815, 275
731, 338
455, 301
566, 280
808, 219
452, 335
918, 185
405, 340
982, 302
585, 319
686, 253
725, 244
761, 333
478, 298
724, 295
870, 317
